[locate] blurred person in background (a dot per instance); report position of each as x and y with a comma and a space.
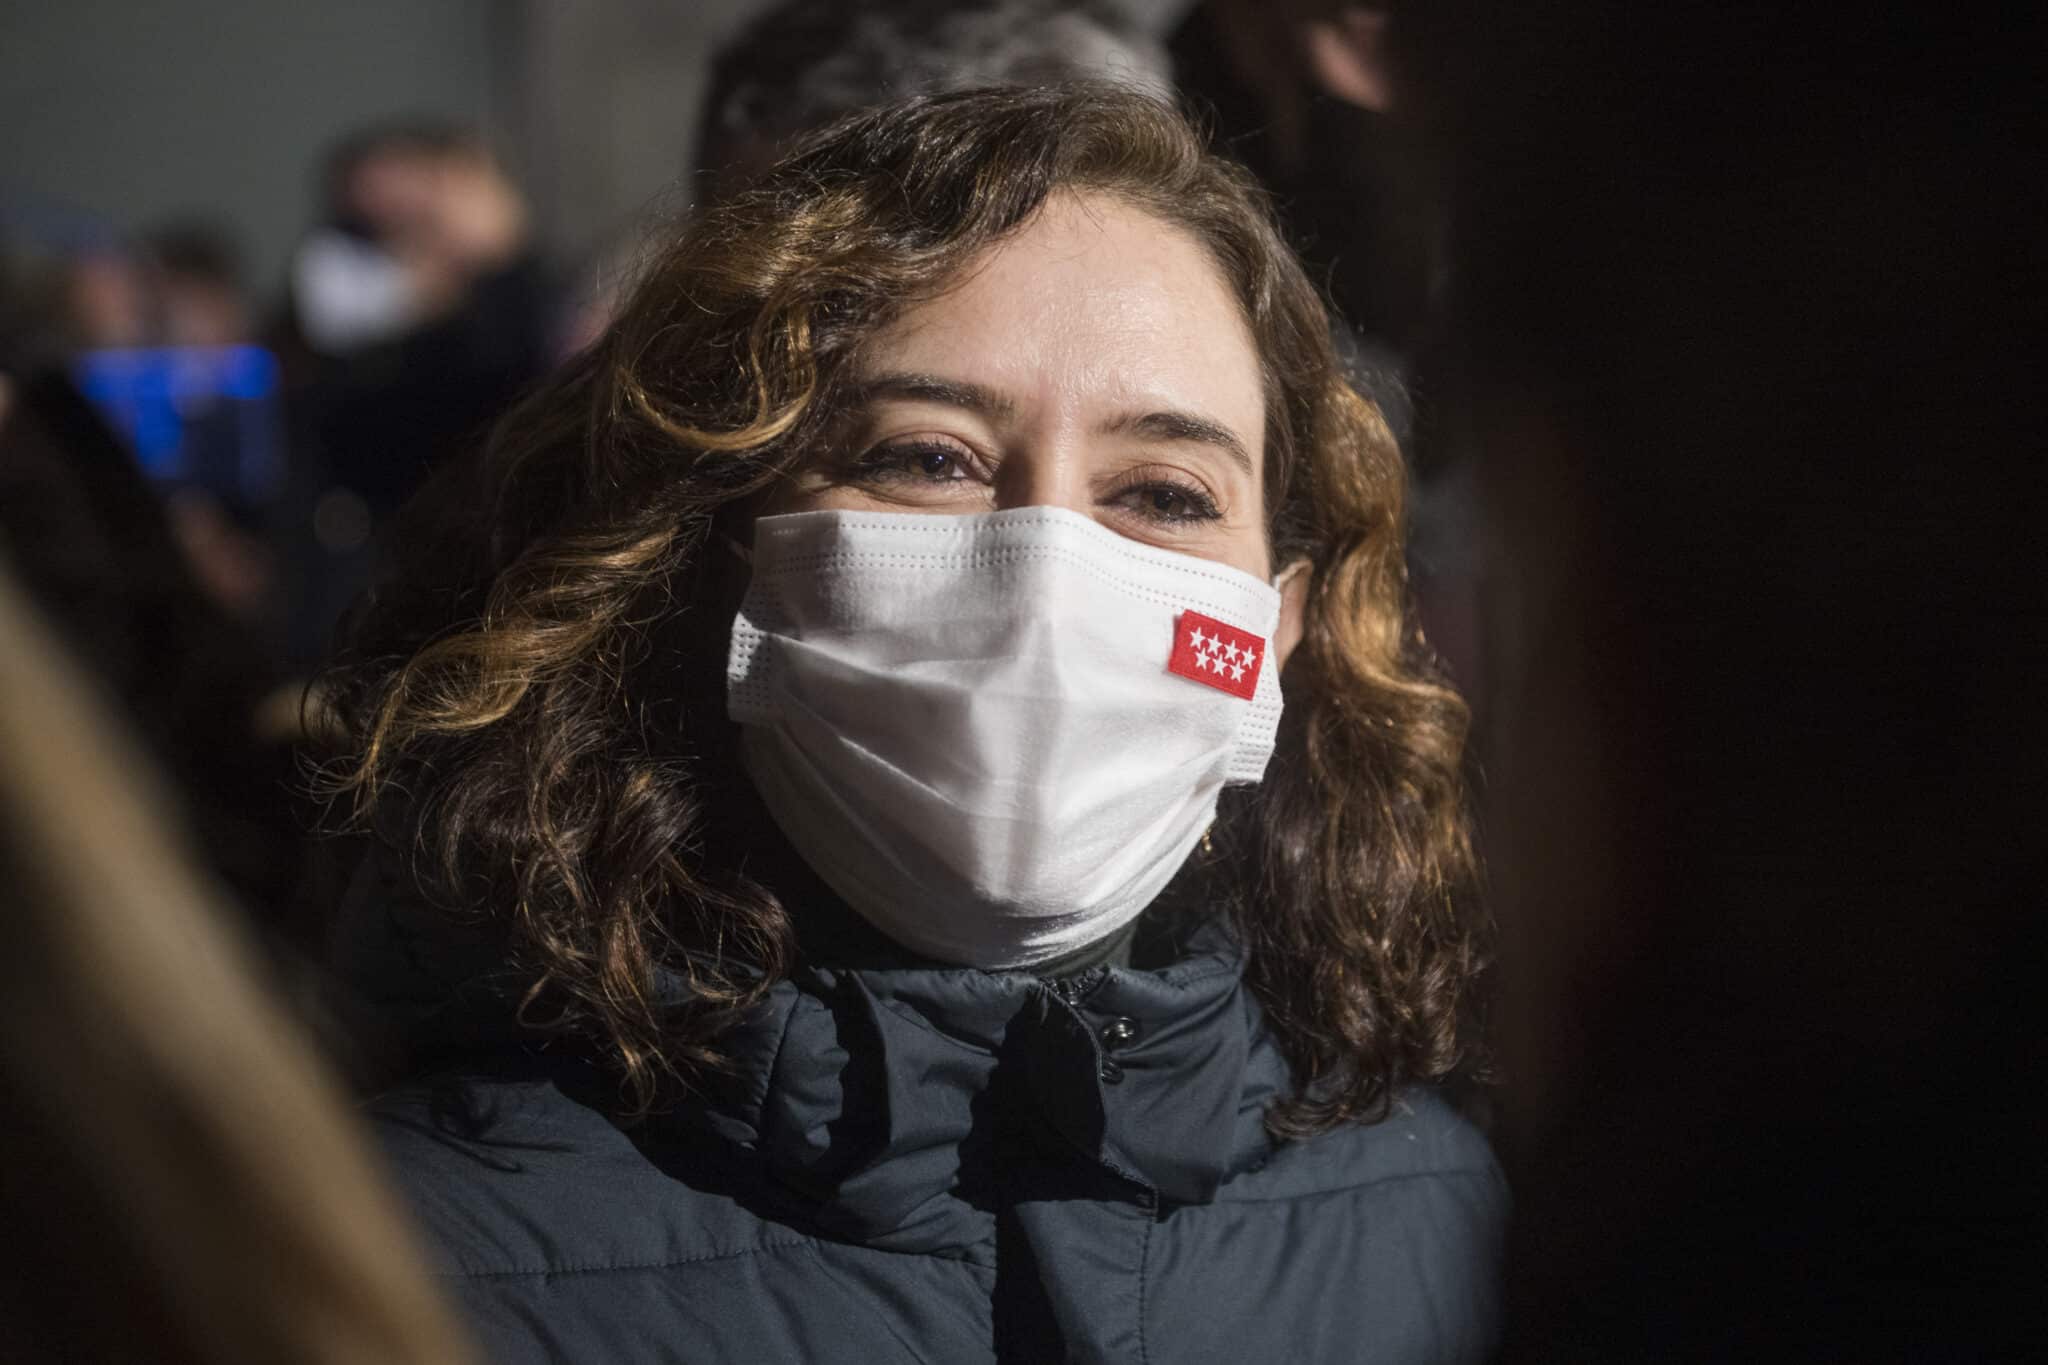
917, 823
68, 283
106, 301
71, 288
181, 1180
201, 284
91, 540
418, 309
1303, 93
201, 299
1300, 92
801, 64
1738, 339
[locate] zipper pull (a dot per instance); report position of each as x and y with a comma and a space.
1072, 990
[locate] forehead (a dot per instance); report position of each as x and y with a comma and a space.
1093, 302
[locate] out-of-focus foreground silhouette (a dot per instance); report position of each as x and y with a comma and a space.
183, 1180
1736, 338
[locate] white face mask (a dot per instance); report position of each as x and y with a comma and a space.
351, 293
996, 736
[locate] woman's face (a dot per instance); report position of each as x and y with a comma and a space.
1094, 361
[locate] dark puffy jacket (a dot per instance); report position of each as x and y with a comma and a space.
949, 1165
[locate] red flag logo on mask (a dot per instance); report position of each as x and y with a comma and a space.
1220, 655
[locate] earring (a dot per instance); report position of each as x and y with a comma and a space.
1208, 848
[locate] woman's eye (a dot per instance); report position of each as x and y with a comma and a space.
929, 461
1171, 503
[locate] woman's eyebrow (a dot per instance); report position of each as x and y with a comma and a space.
1182, 426
930, 388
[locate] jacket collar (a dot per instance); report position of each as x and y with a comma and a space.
877, 1094
874, 1088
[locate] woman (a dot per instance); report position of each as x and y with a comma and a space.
925, 836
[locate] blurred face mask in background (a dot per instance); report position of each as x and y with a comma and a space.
350, 293
996, 736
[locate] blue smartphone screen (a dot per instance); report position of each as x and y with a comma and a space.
204, 416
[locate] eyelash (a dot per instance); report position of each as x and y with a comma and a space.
889, 462
1202, 507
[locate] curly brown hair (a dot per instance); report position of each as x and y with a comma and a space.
537, 700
